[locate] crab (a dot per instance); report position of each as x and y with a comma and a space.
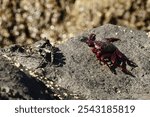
108, 54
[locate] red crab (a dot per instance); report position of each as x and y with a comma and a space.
109, 54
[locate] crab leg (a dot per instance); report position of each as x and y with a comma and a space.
115, 59
104, 57
132, 64
111, 39
124, 69
94, 50
122, 56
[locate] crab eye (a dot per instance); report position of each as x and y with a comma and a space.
92, 37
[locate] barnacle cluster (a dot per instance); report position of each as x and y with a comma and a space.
26, 21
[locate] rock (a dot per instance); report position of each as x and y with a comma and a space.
76, 73
15, 84
36, 61
82, 73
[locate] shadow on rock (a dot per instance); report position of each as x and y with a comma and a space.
59, 58
38, 90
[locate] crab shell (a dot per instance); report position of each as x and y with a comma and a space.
105, 47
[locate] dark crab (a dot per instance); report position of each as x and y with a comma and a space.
109, 54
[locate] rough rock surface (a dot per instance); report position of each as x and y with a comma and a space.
15, 84
37, 62
83, 74
76, 69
